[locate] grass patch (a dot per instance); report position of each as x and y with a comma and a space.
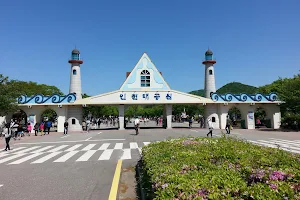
223, 168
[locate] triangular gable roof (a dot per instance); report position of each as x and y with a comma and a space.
133, 81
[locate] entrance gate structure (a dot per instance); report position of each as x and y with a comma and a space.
145, 85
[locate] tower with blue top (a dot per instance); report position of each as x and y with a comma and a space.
75, 78
209, 83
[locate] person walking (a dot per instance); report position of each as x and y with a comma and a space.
228, 123
36, 129
42, 127
210, 127
190, 122
29, 128
66, 125
48, 126
7, 135
88, 125
136, 125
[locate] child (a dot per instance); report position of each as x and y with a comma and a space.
29, 128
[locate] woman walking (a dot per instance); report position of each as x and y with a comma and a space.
42, 126
7, 136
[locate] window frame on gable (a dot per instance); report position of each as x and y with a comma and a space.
145, 78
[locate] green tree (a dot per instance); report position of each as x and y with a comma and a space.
8, 96
32, 88
288, 90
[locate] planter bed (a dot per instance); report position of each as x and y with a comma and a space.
223, 168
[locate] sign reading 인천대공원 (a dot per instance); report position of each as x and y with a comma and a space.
146, 96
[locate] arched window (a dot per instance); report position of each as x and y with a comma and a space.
210, 72
73, 121
74, 72
213, 119
145, 78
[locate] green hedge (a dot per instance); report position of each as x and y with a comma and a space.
223, 168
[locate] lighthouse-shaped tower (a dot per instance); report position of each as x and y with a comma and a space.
209, 87
75, 78
75, 112
209, 84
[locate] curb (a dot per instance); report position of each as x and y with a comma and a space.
140, 182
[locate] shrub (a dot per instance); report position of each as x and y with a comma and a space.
223, 168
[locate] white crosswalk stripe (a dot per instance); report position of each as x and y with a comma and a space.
104, 146
42, 149
118, 146
133, 145
64, 153
3, 155
25, 159
73, 148
58, 148
11, 158
67, 156
88, 147
287, 145
86, 156
28, 149
126, 154
106, 154
47, 157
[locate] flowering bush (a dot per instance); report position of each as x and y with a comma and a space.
223, 168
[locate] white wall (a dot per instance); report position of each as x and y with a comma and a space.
211, 110
75, 112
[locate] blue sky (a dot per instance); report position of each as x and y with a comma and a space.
254, 42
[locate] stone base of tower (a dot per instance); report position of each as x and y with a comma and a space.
75, 118
211, 112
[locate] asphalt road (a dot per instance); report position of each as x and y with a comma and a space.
82, 165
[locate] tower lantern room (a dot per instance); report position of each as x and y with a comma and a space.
75, 55
208, 55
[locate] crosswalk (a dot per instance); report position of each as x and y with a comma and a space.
77, 153
287, 145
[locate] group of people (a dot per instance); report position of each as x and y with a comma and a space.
15, 129
95, 123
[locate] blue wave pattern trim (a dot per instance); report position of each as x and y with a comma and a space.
244, 97
40, 99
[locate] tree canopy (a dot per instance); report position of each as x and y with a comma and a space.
10, 90
288, 90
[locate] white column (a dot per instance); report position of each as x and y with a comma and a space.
274, 114
74, 117
168, 114
247, 112
223, 112
121, 117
